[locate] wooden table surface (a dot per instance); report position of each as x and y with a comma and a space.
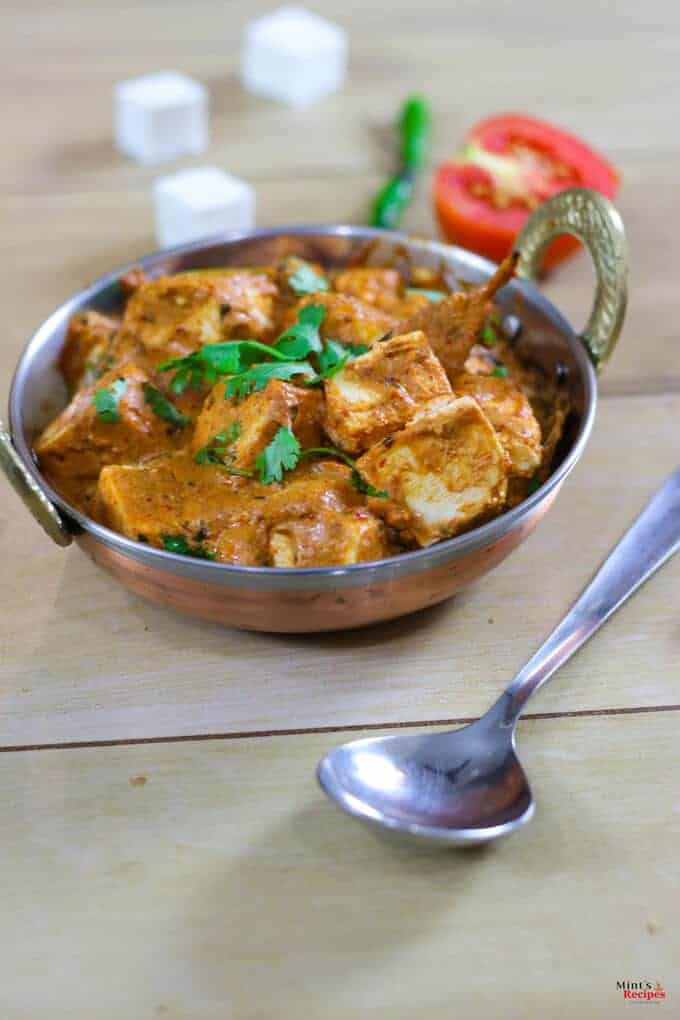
166, 852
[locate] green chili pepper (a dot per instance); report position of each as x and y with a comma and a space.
393, 199
414, 126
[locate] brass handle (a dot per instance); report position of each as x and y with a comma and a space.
591, 218
35, 499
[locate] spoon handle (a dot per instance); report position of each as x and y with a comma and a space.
647, 544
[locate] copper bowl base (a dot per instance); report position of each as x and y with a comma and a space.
297, 612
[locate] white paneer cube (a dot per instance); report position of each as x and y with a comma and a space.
442, 473
293, 56
196, 203
160, 117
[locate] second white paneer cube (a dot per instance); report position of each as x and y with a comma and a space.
160, 117
294, 56
200, 202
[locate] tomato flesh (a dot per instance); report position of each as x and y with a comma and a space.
509, 165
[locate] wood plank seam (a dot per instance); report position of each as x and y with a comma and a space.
306, 731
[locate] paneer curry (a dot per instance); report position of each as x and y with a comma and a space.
293, 417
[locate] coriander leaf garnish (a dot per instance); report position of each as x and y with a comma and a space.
162, 407
431, 295
331, 360
256, 378
233, 432
334, 357
355, 478
282, 454
219, 451
306, 281
363, 486
489, 336
106, 401
179, 544
206, 365
302, 338
500, 371
236, 357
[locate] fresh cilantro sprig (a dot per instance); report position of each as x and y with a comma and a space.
236, 357
302, 338
333, 358
106, 402
256, 378
359, 483
207, 365
306, 280
299, 341
282, 454
246, 372
489, 336
220, 451
162, 407
179, 544
219, 446
500, 372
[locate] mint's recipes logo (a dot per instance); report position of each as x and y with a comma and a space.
641, 991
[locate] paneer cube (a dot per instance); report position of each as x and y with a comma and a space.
314, 485
443, 473
80, 441
259, 417
243, 543
328, 536
373, 286
169, 318
172, 495
380, 391
247, 299
293, 55
86, 351
160, 116
509, 411
383, 288
199, 201
347, 319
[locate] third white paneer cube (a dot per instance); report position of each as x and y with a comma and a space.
196, 203
294, 56
161, 117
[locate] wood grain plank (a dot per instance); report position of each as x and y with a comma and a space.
213, 880
83, 660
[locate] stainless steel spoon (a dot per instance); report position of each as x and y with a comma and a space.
467, 786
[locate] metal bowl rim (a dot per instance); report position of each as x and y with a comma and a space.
306, 578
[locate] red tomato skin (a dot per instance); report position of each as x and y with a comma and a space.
474, 223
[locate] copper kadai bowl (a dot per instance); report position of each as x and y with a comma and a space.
333, 598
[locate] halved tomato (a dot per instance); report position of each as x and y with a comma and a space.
508, 165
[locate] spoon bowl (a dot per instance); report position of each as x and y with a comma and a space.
461, 787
